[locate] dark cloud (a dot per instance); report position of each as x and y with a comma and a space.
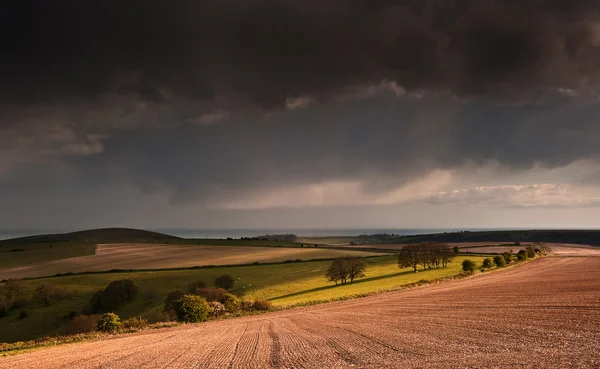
264, 52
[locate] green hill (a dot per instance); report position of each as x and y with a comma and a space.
103, 235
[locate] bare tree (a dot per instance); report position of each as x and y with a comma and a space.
344, 269
356, 268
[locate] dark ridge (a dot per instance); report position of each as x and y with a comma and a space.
582, 237
102, 235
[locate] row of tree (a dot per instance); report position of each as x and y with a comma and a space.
426, 254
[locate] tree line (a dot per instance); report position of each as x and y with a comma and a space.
426, 254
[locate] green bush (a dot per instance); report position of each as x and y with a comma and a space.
507, 257
192, 308
225, 282
530, 252
468, 265
521, 257
109, 322
231, 303
456, 250
487, 263
500, 261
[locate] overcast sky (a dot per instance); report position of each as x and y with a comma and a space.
313, 113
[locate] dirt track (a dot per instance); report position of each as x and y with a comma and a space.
545, 314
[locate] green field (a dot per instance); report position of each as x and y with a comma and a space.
26, 254
127, 256
284, 284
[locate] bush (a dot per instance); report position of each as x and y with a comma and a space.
246, 305
171, 300
487, 263
225, 282
113, 296
530, 252
507, 257
72, 315
18, 304
192, 287
468, 265
216, 309
521, 257
23, 314
500, 261
136, 323
456, 250
47, 293
83, 324
262, 305
230, 302
109, 322
192, 308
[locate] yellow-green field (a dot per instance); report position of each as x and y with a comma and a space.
155, 256
284, 284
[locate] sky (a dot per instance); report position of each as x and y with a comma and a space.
289, 114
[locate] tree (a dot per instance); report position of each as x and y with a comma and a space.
409, 256
356, 268
171, 300
456, 250
337, 272
530, 252
192, 287
225, 282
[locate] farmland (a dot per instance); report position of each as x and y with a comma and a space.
284, 284
152, 256
540, 314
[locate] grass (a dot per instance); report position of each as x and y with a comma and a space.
285, 284
19, 255
154, 256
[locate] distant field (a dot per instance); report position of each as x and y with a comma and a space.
152, 256
283, 284
19, 255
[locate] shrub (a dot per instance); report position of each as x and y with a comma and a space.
18, 304
500, 261
109, 322
136, 323
83, 324
468, 265
262, 305
12, 288
192, 308
487, 263
456, 250
23, 314
47, 293
230, 302
225, 282
113, 296
246, 305
216, 309
171, 300
507, 257
521, 257
192, 287
530, 252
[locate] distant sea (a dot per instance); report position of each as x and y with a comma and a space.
238, 233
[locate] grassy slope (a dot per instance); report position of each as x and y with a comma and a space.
284, 284
40, 252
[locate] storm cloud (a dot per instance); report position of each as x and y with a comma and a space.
263, 104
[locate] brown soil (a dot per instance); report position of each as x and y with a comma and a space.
542, 314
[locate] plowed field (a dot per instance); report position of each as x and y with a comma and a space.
543, 314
